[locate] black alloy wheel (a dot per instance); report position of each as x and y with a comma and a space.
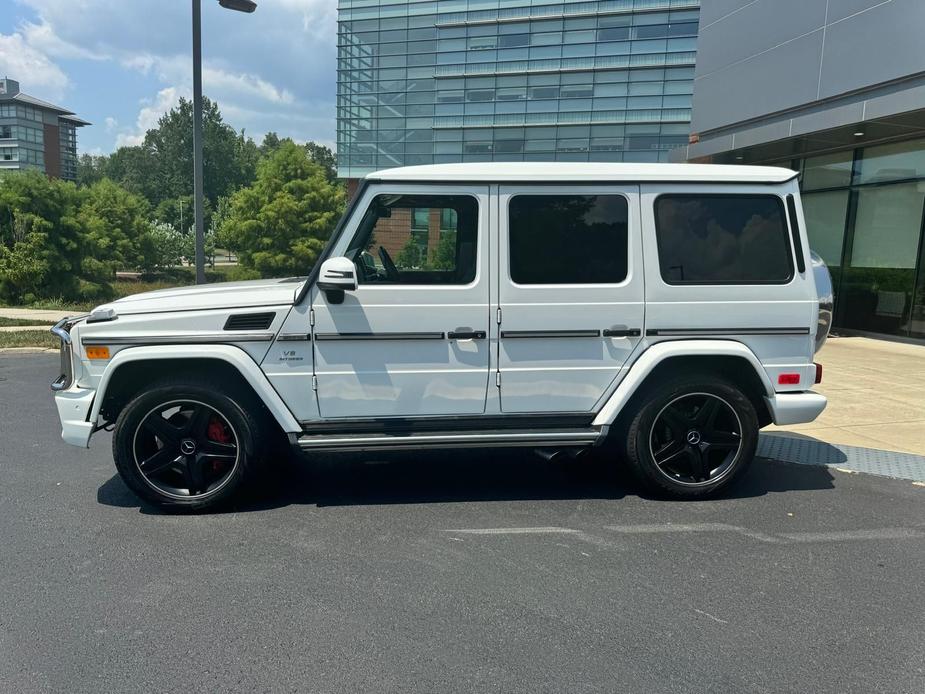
690, 435
696, 438
185, 444
185, 449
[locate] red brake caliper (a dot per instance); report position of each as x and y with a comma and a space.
218, 432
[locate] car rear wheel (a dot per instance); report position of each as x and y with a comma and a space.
692, 436
187, 446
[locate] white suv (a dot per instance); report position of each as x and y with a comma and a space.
663, 313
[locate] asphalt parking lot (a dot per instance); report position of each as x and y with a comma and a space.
484, 572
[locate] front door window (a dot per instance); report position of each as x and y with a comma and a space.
417, 239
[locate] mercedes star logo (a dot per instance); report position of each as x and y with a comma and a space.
693, 437
188, 446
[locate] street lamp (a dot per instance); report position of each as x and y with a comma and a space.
239, 6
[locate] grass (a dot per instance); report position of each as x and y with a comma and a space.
174, 277
29, 338
15, 322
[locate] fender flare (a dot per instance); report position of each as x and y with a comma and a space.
659, 352
234, 356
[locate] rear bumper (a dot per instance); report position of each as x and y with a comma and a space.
796, 408
73, 410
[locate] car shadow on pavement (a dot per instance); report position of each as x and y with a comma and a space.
432, 478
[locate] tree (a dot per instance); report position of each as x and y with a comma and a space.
443, 256
161, 168
178, 212
279, 225
91, 168
115, 230
41, 239
324, 156
167, 247
411, 255
270, 144
131, 168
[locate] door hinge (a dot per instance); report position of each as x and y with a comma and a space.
498, 316
498, 379
314, 383
311, 317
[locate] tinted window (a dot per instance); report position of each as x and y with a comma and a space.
568, 239
717, 239
417, 239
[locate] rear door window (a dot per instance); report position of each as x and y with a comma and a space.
722, 239
568, 239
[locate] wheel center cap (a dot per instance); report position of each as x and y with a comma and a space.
693, 437
187, 447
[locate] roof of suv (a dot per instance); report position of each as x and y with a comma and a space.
544, 172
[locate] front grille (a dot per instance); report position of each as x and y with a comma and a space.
63, 331
249, 321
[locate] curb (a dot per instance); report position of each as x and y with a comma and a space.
28, 350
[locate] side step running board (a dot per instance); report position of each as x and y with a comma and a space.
472, 439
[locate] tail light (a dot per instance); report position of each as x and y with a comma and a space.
818, 373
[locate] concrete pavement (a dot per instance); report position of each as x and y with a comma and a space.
480, 572
876, 392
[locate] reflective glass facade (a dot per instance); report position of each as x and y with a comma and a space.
511, 80
865, 214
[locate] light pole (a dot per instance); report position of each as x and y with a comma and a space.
239, 6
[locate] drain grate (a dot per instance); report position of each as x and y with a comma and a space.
792, 449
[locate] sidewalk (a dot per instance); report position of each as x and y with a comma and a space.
876, 392
34, 314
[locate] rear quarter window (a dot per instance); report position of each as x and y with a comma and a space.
722, 239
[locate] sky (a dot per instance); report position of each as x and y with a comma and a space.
120, 64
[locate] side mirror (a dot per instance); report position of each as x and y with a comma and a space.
337, 274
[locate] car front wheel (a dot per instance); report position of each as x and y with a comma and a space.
692, 436
186, 446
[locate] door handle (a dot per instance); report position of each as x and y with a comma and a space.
622, 332
466, 335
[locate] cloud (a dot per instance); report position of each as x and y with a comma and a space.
111, 124
260, 68
42, 37
148, 116
19, 60
216, 81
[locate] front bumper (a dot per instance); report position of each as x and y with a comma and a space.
796, 408
73, 403
74, 407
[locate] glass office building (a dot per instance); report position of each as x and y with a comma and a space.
865, 215
833, 91
512, 80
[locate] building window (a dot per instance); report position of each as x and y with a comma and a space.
827, 171
825, 223
894, 162
568, 239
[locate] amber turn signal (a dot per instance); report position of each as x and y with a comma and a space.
97, 352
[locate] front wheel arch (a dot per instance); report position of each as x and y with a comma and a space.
132, 370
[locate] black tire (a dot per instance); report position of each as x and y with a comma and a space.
675, 449
227, 433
